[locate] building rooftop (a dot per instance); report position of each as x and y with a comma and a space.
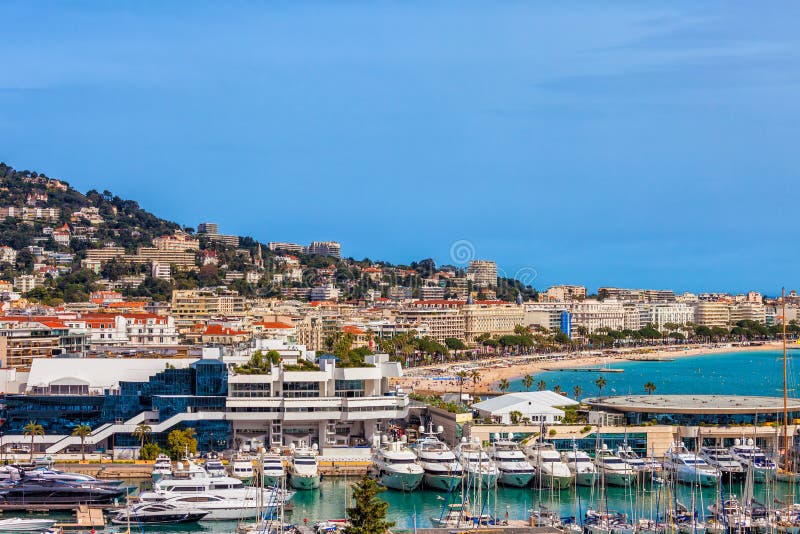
542, 399
694, 404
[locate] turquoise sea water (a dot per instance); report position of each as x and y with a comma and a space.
738, 373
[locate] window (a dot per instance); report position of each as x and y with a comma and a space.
300, 389
349, 388
261, 389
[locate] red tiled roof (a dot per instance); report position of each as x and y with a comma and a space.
356, 331
219, 330
273, 325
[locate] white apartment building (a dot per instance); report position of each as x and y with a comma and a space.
135, 329
161, 271
325, 248
593, 314
661, 314
544, 314
7, 255
25, 282
712, 313
493, 317
748, 311
483, 273
324, 292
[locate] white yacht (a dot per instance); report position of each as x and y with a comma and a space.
214, 466
643, 468
272, 464
613, 470
162, 468
722, 459
230, 495
550, 470
515, 470
476, 463
220, 508
689, 467
304, 468
752, 457
395, 465
581, 466
242, 468
442, 470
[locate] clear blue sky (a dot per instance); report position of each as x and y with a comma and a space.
637, 144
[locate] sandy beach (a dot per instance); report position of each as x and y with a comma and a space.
437, 379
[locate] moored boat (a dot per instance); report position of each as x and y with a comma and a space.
395, 466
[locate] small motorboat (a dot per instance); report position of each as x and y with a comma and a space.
158, 513
19, 524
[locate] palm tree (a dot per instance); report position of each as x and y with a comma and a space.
143, 432
527, 381
461, 376
476, 378
557, 389
504, 385
542, 385
649, 388
576, 391
33, 429
600, 383
82, 431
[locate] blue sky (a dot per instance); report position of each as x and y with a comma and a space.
637, 144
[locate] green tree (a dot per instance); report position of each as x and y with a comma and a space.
649, 387
476, 378
527, 381
576, 391
142, 432
33, 429
504, 385
368, 514
461, 376
82, 431
180, 442
453, 343
600, 383
150, 451
541, 385
516, 417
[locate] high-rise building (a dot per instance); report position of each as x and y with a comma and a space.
208, 228
325, 248
483, 273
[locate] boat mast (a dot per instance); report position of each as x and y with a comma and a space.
785, 407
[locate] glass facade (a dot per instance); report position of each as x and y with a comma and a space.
200, 387
300, 389
349, 388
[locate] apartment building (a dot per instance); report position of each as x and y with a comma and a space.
748, 311
491, 317
483, 273
712, 313
675, 313
325, 248
441, 318
550, 316
565, 293
593, 314
182, 260
179, 242
194, 306
636, 295
104, 254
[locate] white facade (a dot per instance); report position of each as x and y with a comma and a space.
680, 314
593, 314
536, 406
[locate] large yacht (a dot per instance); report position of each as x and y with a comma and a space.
721, 458
689, 467
442, 470
752, 457
614, 471
476, 463
515, 470
581, 466
242, 468
158, 513
643, 468
395, 465
214, 466
304, 468
272, 465
33, 490
162, 468
551, 472
195, 481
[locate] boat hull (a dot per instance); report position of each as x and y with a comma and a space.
304, 483
182, 517
586, 479
441, 482
555, 481
515, 480
622, 480
697, 479
400, 481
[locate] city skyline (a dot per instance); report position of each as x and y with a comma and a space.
631, 146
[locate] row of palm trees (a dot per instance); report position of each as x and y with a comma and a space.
527, 382
82, 431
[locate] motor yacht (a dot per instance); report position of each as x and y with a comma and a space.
689, 467
395, 466
242, 468
272, 466
476, 464
551, 472
581, 466
515, 469
162, 468
614, 471
721, 458
752, 457
442, 469
157, 513
214, 466
304, 468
